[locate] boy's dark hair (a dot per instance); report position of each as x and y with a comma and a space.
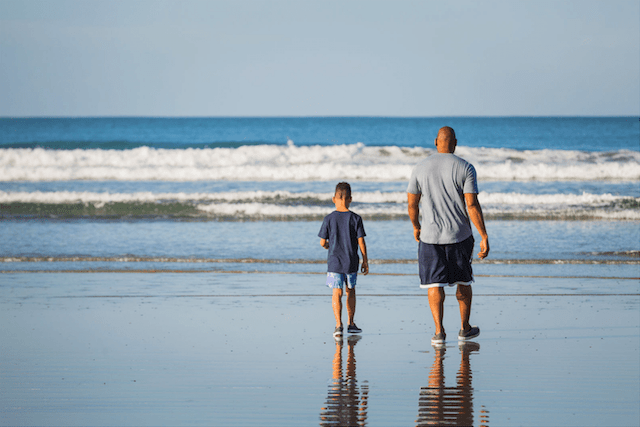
343, 190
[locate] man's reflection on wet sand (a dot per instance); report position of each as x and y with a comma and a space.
450, 406
346, 403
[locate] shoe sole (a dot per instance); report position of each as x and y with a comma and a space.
438, 341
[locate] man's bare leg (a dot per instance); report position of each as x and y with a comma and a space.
464, 295
351, 304
436, 302
336, 302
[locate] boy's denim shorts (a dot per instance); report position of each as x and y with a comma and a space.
337, 280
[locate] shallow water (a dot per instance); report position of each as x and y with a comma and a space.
297, 240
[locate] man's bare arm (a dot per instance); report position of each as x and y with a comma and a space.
475, 214
414, 213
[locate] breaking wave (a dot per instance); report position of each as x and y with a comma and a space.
355, 162
290, 206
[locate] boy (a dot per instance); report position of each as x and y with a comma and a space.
342, 233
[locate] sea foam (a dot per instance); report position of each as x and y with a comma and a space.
355, 162
287, 197
306, 205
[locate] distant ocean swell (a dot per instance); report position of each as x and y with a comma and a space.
289, 206
306, 163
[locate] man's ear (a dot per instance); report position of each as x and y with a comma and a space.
436, 142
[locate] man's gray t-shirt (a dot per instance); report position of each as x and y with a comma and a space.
442, 179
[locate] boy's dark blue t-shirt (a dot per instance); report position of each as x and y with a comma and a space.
342, 229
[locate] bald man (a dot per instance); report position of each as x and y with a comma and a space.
447, 187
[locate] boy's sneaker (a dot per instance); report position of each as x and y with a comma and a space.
338, 331
353, 329
473, 332
439, 339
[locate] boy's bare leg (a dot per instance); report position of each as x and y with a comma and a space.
336, 302
436, 302
464, 295
351, 304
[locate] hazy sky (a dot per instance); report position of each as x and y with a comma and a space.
319, 58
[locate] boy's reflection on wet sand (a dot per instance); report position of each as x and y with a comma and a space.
440, 405
346, 403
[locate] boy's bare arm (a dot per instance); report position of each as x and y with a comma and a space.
324, 243
365, 260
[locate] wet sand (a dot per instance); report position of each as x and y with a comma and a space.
256, 349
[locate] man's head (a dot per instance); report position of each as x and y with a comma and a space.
446, 141
343, 191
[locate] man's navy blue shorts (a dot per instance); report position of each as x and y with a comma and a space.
445, 265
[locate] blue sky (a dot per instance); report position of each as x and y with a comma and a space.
319, 58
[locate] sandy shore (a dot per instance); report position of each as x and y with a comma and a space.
256, 349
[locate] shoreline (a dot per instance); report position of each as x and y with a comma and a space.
168, 271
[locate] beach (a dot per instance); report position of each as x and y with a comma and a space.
167, 271
166, 170
256, 349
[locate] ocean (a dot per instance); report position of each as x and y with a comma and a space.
249, 194
167, 271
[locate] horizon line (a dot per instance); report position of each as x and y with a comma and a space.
309, 117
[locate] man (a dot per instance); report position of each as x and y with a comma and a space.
447, 187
